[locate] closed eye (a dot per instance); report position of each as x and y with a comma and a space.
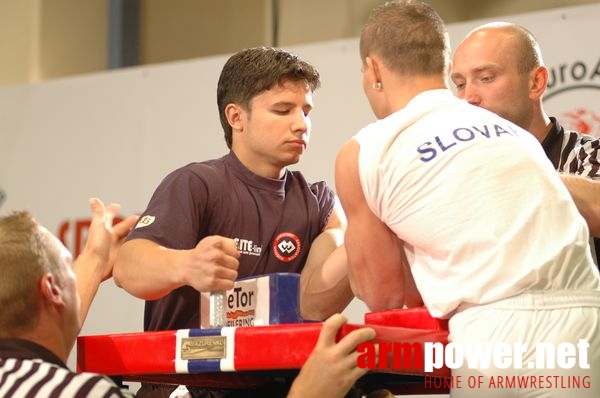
458, 81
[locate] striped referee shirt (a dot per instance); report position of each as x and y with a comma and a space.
28, 370
574, 153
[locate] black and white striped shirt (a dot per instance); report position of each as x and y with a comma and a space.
28, 370
574, 153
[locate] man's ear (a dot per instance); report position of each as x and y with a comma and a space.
51, 291
538, 82
372, 69
235, 116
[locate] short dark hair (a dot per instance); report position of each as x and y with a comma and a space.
409, 36
249, 72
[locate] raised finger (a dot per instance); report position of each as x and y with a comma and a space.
123, 227
350, 342
97, 209
330, 328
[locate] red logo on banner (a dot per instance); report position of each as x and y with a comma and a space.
582, 120
573, 92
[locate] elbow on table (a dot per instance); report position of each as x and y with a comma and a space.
379, 301
312, 313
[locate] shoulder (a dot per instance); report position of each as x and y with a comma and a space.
318, 188
583, 139
347, 172
347, 156
573, 136
370, 133
208, 172
201, 169
580, 144
321, 188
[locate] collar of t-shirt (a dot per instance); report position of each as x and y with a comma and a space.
269, 184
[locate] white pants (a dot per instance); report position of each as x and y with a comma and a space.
549, 317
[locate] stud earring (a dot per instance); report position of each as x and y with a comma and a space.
377, 86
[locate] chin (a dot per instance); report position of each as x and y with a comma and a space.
381, 115
293, 159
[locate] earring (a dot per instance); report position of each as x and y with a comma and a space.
377, 86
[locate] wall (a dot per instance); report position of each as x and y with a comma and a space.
47, 39
182, 29
42, 40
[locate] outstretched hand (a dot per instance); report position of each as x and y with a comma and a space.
104, 239
331, 369
96, 261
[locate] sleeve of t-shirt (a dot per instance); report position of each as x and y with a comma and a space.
326, 199
175, 213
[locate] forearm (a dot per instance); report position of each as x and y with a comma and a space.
586, 195
377, 293
324, 285
376, 269
147, 270
88, 273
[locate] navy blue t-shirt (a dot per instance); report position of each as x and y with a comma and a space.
273, 222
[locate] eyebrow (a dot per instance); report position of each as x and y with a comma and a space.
485, 67
293, 104
454, 75
477, 70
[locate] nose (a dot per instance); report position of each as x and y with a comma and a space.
471, 95
301, 122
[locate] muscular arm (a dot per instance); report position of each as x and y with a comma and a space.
586, 194
375, 254
324, 285
150, 271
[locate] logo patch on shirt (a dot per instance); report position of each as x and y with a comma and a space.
286, 246
145, 221
246, 246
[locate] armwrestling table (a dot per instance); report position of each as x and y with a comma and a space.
245, 356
